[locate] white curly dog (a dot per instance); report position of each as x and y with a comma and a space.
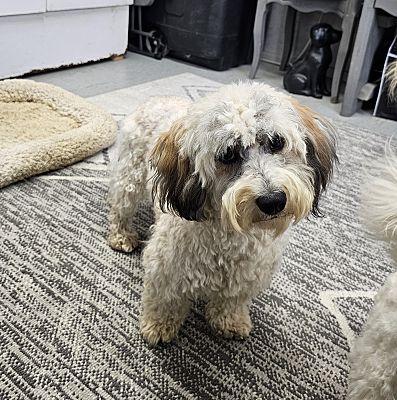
373, 374
232, 172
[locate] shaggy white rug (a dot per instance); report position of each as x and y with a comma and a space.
43, 128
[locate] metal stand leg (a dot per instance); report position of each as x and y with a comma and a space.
367, 40
259, 34
389, 56
347, 29
288, 37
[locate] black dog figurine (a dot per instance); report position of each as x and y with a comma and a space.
307, 74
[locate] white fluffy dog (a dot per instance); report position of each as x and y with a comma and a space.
373, 374
232, 172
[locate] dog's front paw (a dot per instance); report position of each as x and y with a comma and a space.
158, 331
236, 325
126, 242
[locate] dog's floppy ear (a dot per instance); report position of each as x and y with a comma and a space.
320, 150
175, 185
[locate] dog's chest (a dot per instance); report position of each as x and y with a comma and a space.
246, 260
230, 263
202, 259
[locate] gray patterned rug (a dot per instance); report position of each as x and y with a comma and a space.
69, 305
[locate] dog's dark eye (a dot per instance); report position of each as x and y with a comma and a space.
230, 156
276, 143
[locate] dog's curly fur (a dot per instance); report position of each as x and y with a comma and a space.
232, 172
373, 374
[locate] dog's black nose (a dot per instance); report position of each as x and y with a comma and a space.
272, 203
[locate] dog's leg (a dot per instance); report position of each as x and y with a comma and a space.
128, 186
122, 236
164, 305
163, 313
229, 316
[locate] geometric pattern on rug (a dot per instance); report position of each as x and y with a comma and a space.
69, 305
343, 305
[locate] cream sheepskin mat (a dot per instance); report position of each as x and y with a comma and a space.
43, 127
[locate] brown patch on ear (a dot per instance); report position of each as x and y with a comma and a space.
324, 143
174, 184
166, 157
320, 154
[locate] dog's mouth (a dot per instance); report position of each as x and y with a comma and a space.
266, 218
275, 223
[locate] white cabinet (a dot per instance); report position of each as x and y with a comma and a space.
44, 34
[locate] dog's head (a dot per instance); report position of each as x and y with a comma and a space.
248, 155
323, 34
